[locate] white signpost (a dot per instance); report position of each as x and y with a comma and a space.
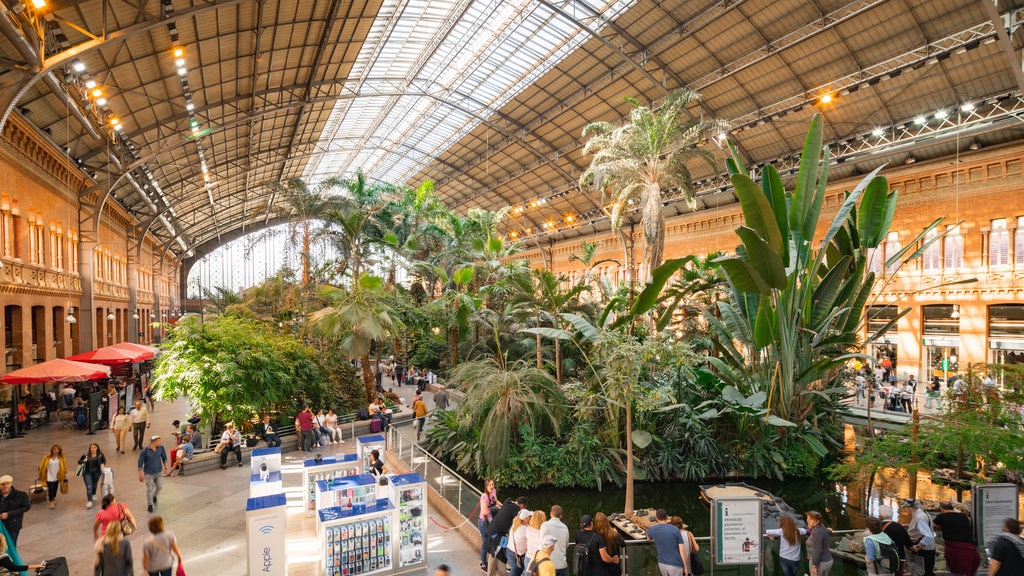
992, 504
736, 531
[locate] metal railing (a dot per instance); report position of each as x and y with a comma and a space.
462, 495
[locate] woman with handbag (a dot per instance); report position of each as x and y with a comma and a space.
90, 468
112, 512
53, 470
112, 555
692, 562
160, 549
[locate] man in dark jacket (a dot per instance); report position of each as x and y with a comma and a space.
499, 526
268, 433
13, 505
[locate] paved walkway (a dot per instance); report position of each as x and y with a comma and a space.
206, 511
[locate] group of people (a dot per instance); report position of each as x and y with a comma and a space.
112, 554
315, 429
541, 539
913, 544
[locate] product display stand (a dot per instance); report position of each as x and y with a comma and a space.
355, 493
354, 543
266, 523
328, 468
409, 493
367, 444
265, 472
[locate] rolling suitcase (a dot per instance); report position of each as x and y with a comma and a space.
54, 567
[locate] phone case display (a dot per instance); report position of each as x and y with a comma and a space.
356, 493
328, 468
409, 493
367, 444
265, 473
354, 544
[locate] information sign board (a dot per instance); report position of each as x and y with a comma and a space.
736, 530
992, 504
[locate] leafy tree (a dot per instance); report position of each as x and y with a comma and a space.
232, 368
640, 159
303, 206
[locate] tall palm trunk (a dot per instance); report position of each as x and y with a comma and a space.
305, 254
453, 346
537, 324
558, 362
629, 457
368, 382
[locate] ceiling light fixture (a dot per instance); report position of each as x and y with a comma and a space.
70, 318
826, 99
877, 132
78, 66
940, 114
111, 316
39, 4
921, 120
967, 107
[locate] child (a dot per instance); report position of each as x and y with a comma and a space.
108, 481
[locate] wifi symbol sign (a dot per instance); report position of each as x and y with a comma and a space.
266, 529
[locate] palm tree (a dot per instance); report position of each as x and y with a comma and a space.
357, 317
501, 396
352, 222
538, 294
637, 161
588, 250
303, 205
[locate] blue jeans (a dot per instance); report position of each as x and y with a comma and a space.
92, 480
481, 525
515, 569
789, 567
166, 572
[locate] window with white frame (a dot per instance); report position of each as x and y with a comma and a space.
36, 238
73, 251
875, 258
999, 244
56, 247
953, 249
6, 233
931, 258
892, 247
1018, 242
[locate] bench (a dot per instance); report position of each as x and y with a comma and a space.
351, 428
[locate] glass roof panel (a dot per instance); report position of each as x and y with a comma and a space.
457, 61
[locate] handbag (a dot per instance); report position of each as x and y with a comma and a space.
696, 564
181, 570
64, 486
127, 528
81, 467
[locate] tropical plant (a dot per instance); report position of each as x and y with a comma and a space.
303, 205
539, 296
794, 313
356, 318
637, 161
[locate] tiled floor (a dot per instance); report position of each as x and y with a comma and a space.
206, 511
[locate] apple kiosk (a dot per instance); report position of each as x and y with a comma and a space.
331, 468
266, 523
367, 444
265, 474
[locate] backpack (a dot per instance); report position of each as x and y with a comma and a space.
364, 413
535, 565
887, 558
581, 558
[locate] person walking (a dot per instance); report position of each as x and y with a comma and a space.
160, 549
13, 505
54, 472
819, 557
668, 541
152, 467
110, 511
112, 555
119, 425
788, 534
140, 421
441, 398
92, 463
419, 410
489, 506
922, 536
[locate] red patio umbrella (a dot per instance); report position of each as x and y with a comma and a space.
109, 355
59, 370
148, 352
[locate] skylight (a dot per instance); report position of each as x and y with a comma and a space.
432, 70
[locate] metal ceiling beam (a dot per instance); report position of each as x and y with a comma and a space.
1000, 24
